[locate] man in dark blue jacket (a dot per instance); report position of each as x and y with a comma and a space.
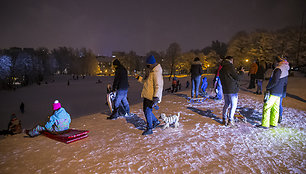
120, 85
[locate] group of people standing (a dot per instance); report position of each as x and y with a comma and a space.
151, 93
226, 76
226, 84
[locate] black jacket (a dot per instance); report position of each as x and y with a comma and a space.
278, 82
260, 74
121, 78
196, 69
229, 78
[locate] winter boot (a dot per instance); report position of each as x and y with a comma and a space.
155, 124
232, 124
114, 115
280, 118
147, 132
224, 122
260, 126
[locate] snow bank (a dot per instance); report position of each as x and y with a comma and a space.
200, 144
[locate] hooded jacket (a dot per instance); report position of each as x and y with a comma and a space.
59, 121
279, 79
153, 84
196, 69
229, 78
121, 78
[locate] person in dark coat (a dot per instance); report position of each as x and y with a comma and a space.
120, 85
196, 72
217, 84
260, 75
252, 73
229, 80
275, 90
22, 107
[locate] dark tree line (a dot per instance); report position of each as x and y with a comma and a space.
289, 42
27, 66
30, 66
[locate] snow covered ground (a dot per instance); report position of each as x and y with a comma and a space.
200, 144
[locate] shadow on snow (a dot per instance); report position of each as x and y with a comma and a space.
138, 122
207, 113
250, 114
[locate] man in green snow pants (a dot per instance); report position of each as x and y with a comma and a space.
275, 89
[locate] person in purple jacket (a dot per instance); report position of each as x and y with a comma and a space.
59, 121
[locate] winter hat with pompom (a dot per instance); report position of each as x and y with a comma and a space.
151, 60
56, 105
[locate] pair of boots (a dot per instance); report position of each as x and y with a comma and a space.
115, 114
150, 131
228, 123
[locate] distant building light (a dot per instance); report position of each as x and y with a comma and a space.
113, 56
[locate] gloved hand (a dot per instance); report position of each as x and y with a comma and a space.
155, 100
267, 95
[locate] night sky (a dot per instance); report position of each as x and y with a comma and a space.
140, 25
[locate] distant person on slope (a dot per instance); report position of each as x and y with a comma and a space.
196, 72
152, 92
252, 73
204, 86
217, 84
260, 75
59, 121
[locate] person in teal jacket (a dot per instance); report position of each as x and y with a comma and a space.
57, 122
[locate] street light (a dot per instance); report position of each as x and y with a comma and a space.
246, 60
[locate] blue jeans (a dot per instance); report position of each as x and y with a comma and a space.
281, 108
195, 84
219, 89
230, 106
121, 98
147, 109
259, 85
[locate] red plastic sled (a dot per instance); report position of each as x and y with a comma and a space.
69, 136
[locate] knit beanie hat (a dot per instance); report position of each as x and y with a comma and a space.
116, 62
228, 57
151, 60
196, 59
279, 59
56, 105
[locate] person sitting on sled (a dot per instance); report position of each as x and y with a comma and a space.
58, 122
